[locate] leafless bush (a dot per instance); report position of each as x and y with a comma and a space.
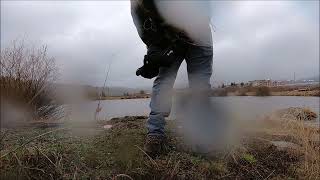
27, 75
263, 91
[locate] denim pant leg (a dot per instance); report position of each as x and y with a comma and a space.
161, 98
199, 116
199, 65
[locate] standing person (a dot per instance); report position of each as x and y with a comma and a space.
167, 46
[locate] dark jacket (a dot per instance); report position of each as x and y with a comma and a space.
152, 28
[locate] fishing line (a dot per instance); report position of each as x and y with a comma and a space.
98, 109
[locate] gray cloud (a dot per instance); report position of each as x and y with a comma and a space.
260, 39
252, 40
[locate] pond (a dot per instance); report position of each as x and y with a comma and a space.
244, 106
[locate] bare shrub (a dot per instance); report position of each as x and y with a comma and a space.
219, 92
27, 75
242, 92
263, 91
302, 114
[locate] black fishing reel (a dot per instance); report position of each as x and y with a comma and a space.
153, 61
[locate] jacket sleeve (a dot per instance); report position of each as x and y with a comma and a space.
139, 17
162, 34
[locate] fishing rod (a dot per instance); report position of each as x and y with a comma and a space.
98, 109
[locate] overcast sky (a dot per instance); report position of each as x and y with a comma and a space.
252, 39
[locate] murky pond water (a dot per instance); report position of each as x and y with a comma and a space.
248, 106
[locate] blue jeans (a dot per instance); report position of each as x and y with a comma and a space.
199, 67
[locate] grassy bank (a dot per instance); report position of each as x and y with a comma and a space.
311, 90
126, 97
116, 153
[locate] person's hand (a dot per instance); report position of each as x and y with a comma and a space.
147, 72
153, 61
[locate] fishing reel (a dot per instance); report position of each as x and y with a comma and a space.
153, 61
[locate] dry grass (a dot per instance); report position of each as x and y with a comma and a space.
305, 136
293, 128
309, 90
309, 147
295, 114
297, 93
117, 154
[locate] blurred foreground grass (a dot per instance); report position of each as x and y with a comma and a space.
117, 153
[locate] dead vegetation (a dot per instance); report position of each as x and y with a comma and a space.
301, 114
289, 131
302, 90
305, 136
27, 72
117, 153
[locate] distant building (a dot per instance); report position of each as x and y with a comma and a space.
257, 83
278, 83
267, 83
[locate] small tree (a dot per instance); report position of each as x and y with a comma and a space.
142, 92
27, 77
263, 91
